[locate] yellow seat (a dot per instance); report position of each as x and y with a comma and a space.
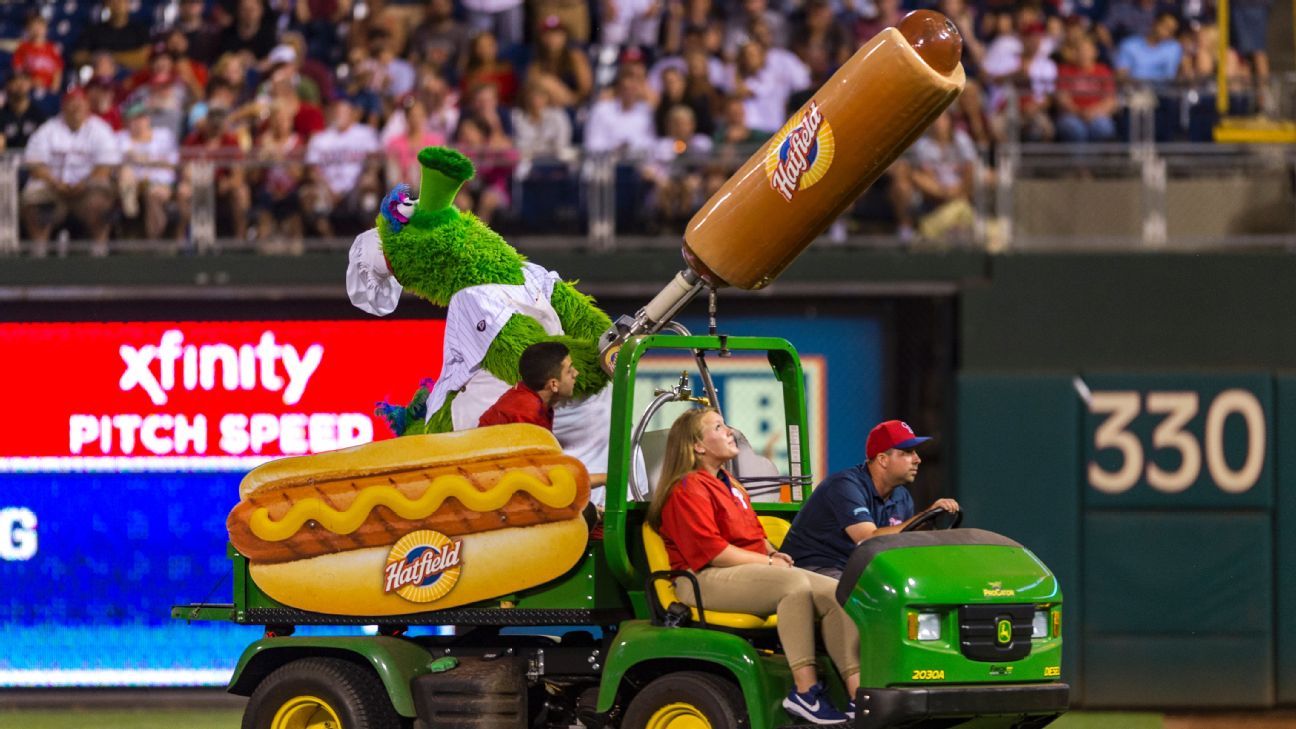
775, 530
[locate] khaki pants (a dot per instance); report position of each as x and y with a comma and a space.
800, 598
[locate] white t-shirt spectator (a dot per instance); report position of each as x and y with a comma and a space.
782, 75
631, 24
945, 162
155, 159
71, 156
341, 155
611, 126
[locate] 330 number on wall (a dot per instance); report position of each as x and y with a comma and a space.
1176, 412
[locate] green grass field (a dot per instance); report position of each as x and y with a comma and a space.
227, 719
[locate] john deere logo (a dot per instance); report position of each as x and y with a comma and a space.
1003, 631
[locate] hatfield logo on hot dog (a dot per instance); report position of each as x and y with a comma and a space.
416, 523
801, 152
423, 566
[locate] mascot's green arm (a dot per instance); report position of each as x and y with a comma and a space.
522, 331
581, 318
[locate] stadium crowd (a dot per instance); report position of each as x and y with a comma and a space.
310, 109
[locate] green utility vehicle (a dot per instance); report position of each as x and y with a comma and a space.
956, 625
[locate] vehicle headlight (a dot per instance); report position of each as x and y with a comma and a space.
1040, 624
929, 626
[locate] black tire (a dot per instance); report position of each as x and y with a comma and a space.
352, 693
715, 698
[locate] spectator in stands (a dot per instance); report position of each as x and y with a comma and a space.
630, 22
818, 35
202, 34
1086, 96
233, 70
1153, 58
283, 68
677, 165
574, 15
738, 27
441, 40
675, 92
622, 124
682, 17
694, 59
216, 138
70, 160
102, 99
766, 82
733, 132
494, 157
542, 132
164, 94
398, 73
563, 69
941, 182
192, 72
308, 67
148, 175
276, 182
1036, 81
438, 100
483, 65
321, 23
343, 187
1248, 26
253, 30
363, 86
19, 117
402, 149
127, 40
1126, 18
37, 57
504, 19
884, 14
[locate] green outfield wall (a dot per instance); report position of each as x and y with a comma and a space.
1132, 419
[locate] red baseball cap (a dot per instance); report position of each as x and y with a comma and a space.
891, 434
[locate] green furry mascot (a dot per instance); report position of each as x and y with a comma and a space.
498, 304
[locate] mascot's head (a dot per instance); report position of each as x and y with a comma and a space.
439, 251
397, 207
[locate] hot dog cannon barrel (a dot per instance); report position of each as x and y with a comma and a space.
808, 173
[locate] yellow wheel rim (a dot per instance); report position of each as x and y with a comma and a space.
678, 716
305, 712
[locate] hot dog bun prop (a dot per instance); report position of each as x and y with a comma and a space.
413, 524
876, 105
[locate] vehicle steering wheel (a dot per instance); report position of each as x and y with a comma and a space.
928, 518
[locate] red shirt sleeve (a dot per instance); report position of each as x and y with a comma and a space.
689, 526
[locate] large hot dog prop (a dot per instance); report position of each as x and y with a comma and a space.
413, 524
876, 105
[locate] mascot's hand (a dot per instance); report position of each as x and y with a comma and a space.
585, 358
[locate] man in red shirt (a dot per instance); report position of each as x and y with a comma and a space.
547, 377
38, 57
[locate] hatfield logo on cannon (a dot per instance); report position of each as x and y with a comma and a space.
801, 152
423, 566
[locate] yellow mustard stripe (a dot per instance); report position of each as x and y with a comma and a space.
559, 492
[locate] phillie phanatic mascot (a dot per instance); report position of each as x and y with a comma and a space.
499, 304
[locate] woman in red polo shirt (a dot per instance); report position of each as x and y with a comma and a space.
705, 518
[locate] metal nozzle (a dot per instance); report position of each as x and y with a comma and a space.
663, 307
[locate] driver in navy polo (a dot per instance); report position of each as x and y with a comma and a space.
864, 501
